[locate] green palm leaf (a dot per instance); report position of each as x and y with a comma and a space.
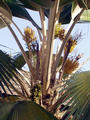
19, 11
19, 61
24, 110
77, 96
10, 78
5, 109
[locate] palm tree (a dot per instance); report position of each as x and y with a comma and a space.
42, 67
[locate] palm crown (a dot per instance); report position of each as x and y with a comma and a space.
18, 8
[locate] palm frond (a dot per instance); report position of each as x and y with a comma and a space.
76, 94
23, 110
11, 81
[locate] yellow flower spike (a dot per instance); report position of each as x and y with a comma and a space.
59, 31
74, 43
29, 35
27, 30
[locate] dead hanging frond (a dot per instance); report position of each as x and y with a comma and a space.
34, 52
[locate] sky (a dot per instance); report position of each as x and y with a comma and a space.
7, 39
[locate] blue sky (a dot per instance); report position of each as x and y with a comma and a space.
83, 46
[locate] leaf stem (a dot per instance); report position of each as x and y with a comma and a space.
50, 44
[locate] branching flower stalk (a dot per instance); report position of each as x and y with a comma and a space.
70, 28
67, 49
